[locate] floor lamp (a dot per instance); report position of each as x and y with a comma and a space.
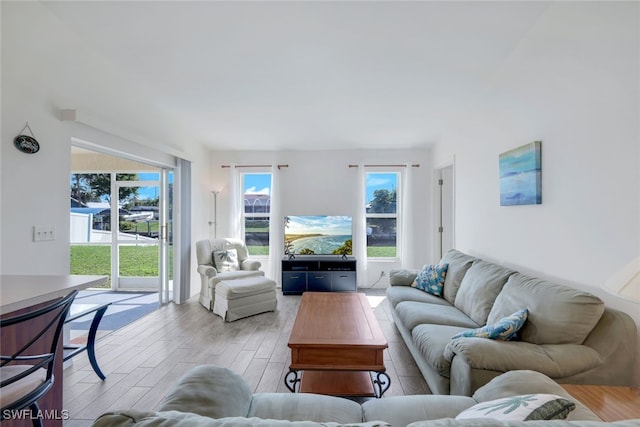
215, 214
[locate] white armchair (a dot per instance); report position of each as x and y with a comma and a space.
210, 275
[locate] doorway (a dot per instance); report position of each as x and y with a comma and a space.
445, 215
121, 222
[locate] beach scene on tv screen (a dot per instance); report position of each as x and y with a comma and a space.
317, 235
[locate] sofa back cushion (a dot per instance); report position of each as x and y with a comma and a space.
479, 289
557, 314
459, 263
305, 407
211, 391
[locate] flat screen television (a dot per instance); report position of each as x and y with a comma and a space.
317, 235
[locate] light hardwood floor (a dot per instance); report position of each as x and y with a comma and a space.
143, 360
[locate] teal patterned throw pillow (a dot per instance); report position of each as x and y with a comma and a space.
504, 329
431, 279
530, 407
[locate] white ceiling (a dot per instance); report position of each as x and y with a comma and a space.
306, 75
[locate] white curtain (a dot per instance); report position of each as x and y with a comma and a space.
360, 228
275, 227
406, 220
237, 203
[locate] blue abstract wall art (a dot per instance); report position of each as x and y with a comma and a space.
520, 176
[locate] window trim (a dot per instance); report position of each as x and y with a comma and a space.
245, 215
395, 215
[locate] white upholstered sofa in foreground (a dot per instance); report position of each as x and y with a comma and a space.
211, 396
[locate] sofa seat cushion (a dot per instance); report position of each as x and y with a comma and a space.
244, 287
431, 341
479, 289
305, 406
557, 314
238, 274
398, 294
412, 314
403, 410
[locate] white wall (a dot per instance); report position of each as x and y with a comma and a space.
44, 70
573, 83
321, 183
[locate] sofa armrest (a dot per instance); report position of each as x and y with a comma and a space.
555, 361
210, 391
404, 277
249, 264
207, 270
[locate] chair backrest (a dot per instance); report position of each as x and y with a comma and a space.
37, 345
204, 249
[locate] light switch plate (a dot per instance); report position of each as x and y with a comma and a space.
42, 234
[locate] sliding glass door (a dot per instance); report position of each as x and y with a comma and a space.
142, 232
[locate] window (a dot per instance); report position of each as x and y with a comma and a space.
382, 214
257, 212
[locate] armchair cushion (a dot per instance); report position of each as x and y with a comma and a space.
226, 260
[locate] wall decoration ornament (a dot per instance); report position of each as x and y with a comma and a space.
26, 143
520, 176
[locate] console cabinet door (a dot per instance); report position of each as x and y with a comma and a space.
319, 281
343, 281
294, 282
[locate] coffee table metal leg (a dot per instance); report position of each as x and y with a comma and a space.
381, 383
292, 380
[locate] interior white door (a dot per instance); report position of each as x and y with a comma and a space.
446, 227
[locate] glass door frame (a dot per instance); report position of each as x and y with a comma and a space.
163, 282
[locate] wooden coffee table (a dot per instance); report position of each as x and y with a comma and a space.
337, 347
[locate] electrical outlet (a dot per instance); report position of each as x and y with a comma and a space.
382, 273
42, 234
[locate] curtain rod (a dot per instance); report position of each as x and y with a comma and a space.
255, 166
386, 166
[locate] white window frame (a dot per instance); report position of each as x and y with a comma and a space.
246, 215
397, 216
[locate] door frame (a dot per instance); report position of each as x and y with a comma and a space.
444, 209
172, 287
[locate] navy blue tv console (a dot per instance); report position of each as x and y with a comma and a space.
331, 273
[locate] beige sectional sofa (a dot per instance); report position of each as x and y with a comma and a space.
211, 396
569, 334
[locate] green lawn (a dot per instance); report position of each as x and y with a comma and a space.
135, 261
258, 250
381, 251
142, 261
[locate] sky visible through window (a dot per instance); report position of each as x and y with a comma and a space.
261, 183
257, 183
380, 181
150, 192
143, 192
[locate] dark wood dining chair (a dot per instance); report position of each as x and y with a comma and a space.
27, 373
